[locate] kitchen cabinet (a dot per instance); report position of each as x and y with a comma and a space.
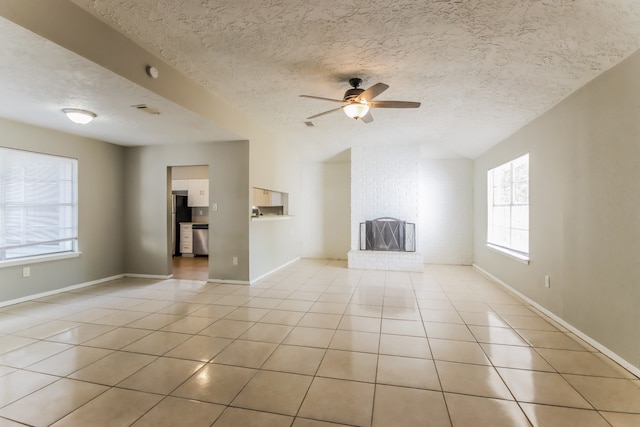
261, 197
186, 239
276, 198
198, 193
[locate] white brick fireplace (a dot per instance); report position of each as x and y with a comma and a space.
385, 182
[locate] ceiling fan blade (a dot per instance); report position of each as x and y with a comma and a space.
319, 97
367, 118
394, 104
372, 92
326, 112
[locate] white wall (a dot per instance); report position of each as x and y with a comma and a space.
446, 211
384, 183
584, 210
325, 210
274, 165
445, 206
100, 212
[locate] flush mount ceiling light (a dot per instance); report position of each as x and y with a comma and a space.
356, 110
81, 117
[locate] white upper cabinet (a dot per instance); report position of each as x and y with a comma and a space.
276, 198
198, 193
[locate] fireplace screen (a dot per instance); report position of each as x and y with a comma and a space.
388, 234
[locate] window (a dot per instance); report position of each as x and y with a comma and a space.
38, 205
508, 207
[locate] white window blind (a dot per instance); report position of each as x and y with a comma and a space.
508, 205
38, 204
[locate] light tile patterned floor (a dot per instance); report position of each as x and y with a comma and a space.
315, 344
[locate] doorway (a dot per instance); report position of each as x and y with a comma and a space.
190, 268
189, 188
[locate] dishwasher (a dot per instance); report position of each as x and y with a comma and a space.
200, 239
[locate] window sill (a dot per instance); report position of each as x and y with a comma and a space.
511, 254
36, 259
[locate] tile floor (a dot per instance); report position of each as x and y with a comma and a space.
315, 344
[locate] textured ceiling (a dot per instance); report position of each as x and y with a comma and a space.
481, 68
39, 78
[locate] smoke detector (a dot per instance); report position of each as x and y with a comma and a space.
152, 71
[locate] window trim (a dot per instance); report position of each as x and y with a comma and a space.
518, 256
39, 258
510, 252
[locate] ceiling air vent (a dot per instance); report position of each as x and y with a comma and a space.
147, 109
309, 124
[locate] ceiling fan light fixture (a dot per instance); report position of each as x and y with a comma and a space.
356, 110
81, 117
356, 102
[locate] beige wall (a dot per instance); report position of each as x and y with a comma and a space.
584, 210
124, 213
148, 198
100, 212
189, 172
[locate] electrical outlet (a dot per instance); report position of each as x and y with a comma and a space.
235, 260
26, 271
547, 281
214, 207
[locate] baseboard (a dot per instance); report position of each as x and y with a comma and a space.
229, 282
148, 276
604, 350
257, 279
79, 286
60, 290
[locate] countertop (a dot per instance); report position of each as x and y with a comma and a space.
269, 218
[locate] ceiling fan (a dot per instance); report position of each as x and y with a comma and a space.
357, 102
